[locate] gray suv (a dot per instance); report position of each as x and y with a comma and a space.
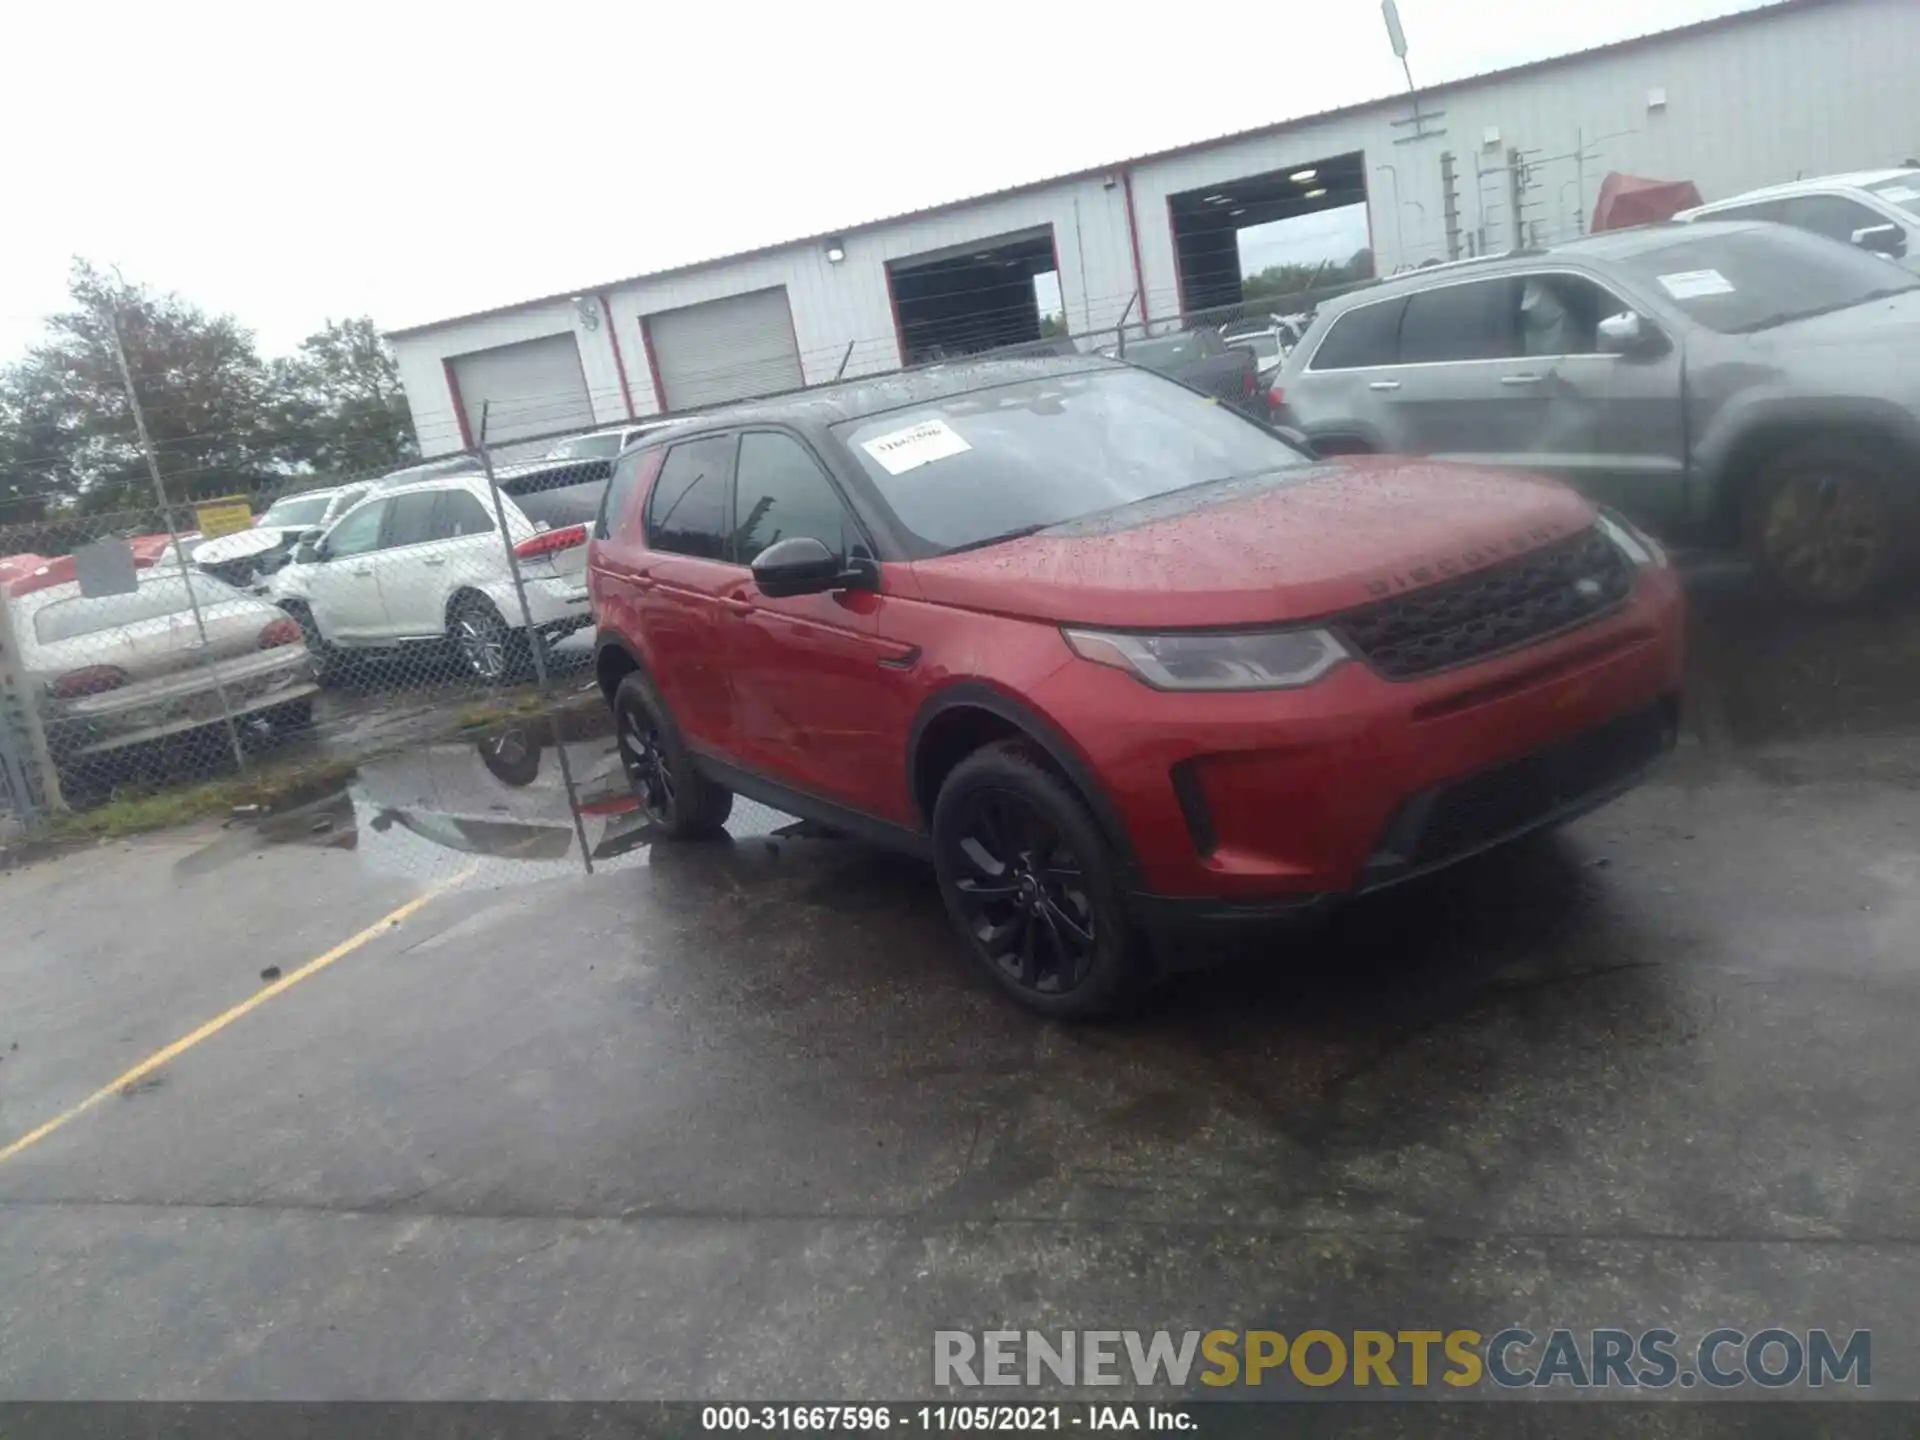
1726, 381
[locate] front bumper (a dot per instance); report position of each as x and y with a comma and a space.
1449, 823
1267, 805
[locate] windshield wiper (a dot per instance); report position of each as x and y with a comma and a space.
1021, 533
1787, 317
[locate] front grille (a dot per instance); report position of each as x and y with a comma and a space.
1504, 606
1557, 779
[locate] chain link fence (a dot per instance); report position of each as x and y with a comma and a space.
151, 651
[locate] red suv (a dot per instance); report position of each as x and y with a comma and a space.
1113, 655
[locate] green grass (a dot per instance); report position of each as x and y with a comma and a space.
137, 811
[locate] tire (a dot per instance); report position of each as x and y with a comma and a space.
681, 802
512, 756
1031, 885
292, 717
488, 649
1823, 526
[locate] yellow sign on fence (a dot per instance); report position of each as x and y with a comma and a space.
223, 516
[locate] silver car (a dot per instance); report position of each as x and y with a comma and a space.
114, 671
1734, 382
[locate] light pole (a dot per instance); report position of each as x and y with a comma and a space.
1397, 37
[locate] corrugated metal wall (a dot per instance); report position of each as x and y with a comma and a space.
1818, 89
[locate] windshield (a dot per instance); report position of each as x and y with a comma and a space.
295, 511
1902, 190
1746, 280
587, 447
89, 614
973, 468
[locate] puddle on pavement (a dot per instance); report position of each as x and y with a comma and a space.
496, 804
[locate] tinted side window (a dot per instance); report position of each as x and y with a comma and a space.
462, 514
412, 521
1362, 338
628, 476
1474, 321
1833, 216
688, 511
564, 505
359, 533
1759, 210
781, 493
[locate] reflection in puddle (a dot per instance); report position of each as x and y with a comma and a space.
500, 800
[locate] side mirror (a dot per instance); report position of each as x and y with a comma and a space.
1888, 240
307, 552
800, 566
1628, 334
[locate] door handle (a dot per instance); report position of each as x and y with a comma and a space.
1519, 379
367, 571
738, 604
441, 561
1383, 385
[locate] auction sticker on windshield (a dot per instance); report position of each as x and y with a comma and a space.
1692, 284
899, 451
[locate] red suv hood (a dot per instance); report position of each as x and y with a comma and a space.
1346, 533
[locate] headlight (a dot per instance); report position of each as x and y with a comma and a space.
1638, 548
1189, 660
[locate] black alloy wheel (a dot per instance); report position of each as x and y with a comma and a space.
649, 772
680, 802
1032, 884
1024, 894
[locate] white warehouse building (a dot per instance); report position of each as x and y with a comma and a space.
1801, 87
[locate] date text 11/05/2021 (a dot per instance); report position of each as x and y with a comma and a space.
945, 1417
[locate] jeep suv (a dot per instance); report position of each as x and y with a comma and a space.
1108, 652
1735, 382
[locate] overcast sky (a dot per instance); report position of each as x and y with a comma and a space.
413, 161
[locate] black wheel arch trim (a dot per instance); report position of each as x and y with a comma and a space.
1353, 434
1749, 423
977, 695
602, 644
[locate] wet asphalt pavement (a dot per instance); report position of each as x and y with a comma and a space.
739, 1120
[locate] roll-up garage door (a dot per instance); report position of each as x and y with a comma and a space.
725, 349
536, 388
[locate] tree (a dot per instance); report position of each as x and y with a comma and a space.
67, 431
1294, 279
339, 402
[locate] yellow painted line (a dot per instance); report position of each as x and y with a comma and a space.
220, 1022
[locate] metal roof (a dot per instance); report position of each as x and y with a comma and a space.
1717, 22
